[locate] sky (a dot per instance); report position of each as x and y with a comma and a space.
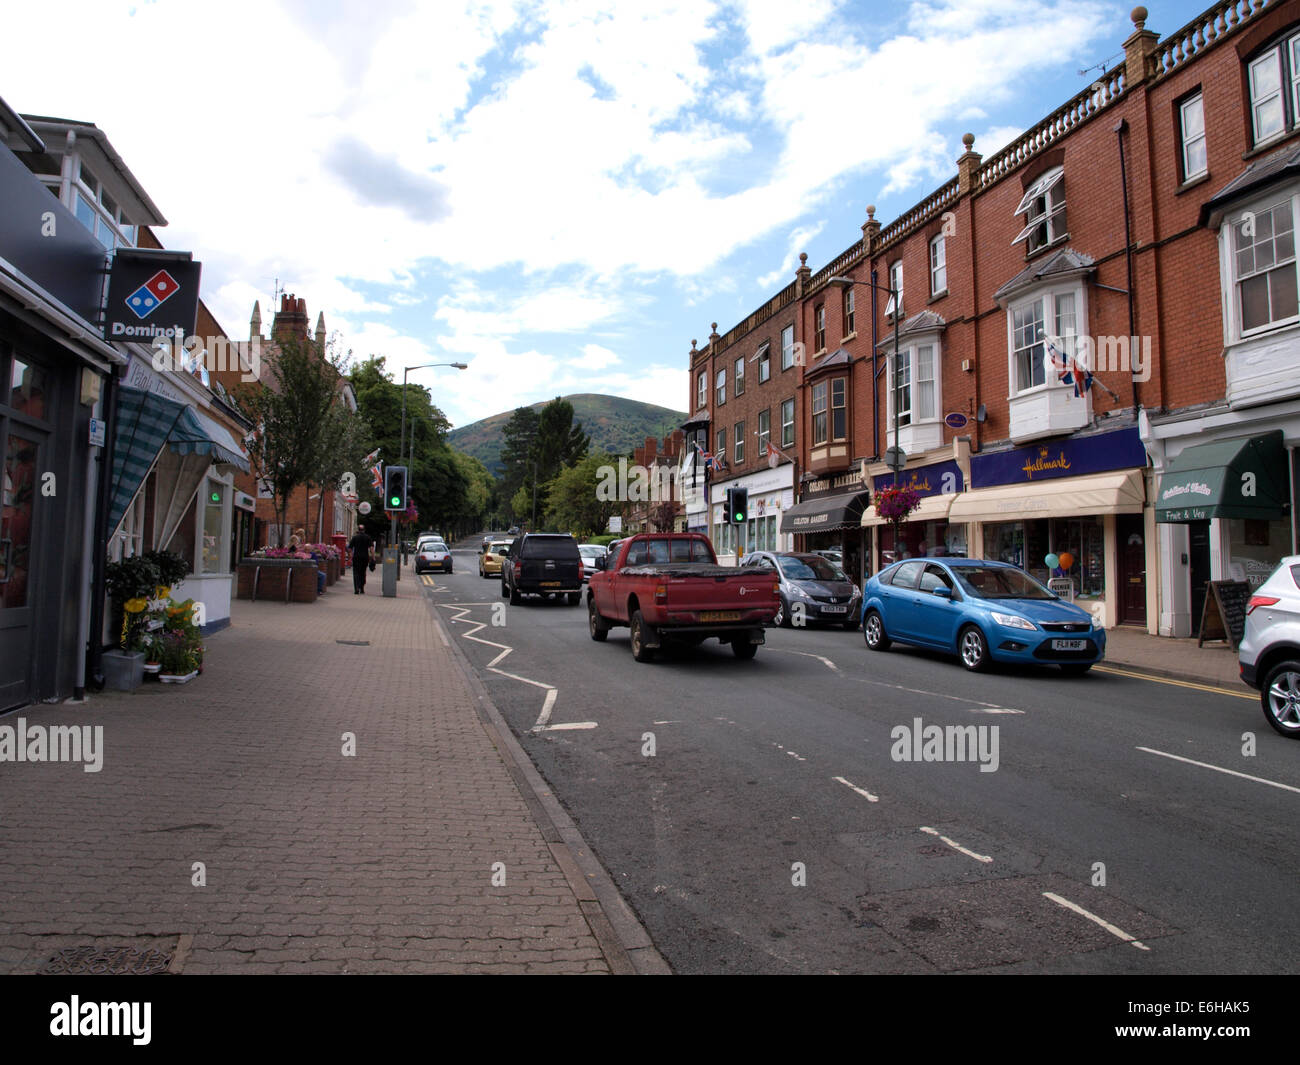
562, 194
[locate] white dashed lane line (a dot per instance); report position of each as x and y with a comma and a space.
861, 791
1119, 933
957, 846
1220, 769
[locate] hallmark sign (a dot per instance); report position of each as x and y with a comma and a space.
152, 295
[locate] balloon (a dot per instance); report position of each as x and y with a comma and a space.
1051, 561
1067, 560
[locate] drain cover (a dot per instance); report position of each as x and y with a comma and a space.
107, 961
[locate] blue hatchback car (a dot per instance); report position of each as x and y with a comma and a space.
980, 611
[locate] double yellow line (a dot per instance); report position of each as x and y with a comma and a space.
1176, 683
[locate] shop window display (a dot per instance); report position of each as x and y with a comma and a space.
1027, 544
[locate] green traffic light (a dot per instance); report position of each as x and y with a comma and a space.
396, 502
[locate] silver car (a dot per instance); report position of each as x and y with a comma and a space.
812, 587
1269, 653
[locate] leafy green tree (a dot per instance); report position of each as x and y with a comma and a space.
572, 502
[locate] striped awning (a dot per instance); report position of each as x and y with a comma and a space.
144, 423
197, 434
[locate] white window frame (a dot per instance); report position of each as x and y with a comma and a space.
1230, 279
720, 390
819, 327
764, 364
787, 347
1282, 62
129, 539
740, 376
738, 442
821, 409
787, 441
1049, 298
938, 265
1189, 138
702, 391
764, 435
848, 311
908, 358
895, 283
1043, 206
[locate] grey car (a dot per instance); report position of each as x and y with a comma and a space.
1269, 653
811, 586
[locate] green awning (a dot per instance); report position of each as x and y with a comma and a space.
1244, 478
144, 422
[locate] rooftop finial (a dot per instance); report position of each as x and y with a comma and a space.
871, 210
968, 139
1139, 17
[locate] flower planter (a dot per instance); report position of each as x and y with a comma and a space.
152, 667
282, 580
176, 678
331, 570
123, 670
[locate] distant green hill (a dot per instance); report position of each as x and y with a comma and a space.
615, 424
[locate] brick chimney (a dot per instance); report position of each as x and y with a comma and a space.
291, 319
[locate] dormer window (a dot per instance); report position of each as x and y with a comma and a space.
1043, 206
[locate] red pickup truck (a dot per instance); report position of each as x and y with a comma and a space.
669, 587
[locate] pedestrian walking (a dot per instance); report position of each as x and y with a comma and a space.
360, 546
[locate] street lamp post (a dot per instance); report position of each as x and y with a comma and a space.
843, 282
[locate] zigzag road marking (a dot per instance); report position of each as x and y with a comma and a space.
552, 693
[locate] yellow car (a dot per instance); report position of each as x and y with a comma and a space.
490, 556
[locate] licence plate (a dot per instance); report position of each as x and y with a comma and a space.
1069, 645
551, 584
827, 609
720, 615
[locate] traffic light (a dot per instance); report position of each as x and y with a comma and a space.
395, 488
737, 505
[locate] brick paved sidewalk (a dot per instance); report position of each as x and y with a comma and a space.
314, 862
1214, 663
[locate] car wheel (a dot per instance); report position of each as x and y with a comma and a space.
1280, 697
640, 651
974, 649
851, 623
515, 597
873, 631
782, 619
595, 623
1076, 669
743, 649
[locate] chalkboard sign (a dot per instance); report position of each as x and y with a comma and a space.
1224, 616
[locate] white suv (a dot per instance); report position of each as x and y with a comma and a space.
1270, 650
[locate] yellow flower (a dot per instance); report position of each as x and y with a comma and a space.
162, 592
134, 606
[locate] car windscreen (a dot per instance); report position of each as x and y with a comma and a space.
999, 582
810, 569
550, 547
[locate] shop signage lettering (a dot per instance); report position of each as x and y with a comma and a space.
1182, 490
1190, 514
941, 478
1068, 458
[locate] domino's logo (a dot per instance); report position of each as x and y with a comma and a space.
152, 294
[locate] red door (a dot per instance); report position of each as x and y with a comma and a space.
1131, 531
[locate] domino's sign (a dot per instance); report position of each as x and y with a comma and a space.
152, 294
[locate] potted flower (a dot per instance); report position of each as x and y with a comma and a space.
178, 661
894, 503
129, 584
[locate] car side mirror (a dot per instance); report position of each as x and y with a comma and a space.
943, 592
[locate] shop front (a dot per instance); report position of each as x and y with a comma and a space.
928, 530
1230, 502
771, 495
1073, 510
832, 521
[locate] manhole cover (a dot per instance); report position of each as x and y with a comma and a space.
107, 961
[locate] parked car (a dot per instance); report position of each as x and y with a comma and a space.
490, 557
432, 553
592, 555
542, 564
811, 585
832, 553
981, 611
1269, 654
669, 587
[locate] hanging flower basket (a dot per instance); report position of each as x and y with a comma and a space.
895, 502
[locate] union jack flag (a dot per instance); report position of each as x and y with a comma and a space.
1068, 370
371, 457
376, 478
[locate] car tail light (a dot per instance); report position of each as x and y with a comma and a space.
1260, 600
580, 570
661, 594
776, 591
518, 566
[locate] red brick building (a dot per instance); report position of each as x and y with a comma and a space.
1057, 327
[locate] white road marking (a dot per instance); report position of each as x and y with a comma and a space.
1220, 769
807, 654
994, 710
552, 693
861, 791
958, 847
677, 722
1119, 932
565, 725
796, 756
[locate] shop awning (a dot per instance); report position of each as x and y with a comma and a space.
932, 508
195, 433
825, 514
1064, 497
145, 423
1243, 478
